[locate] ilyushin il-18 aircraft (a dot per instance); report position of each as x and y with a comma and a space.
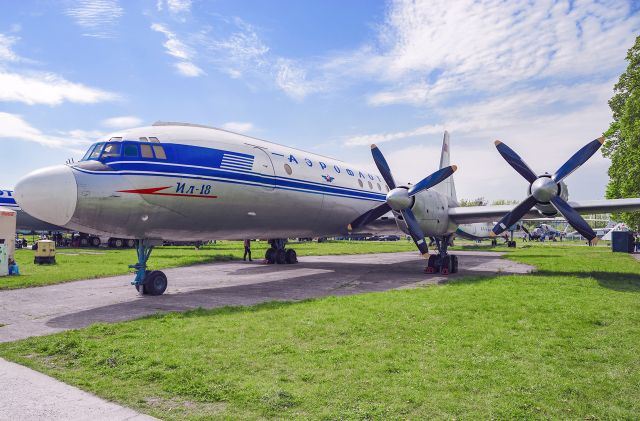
192, 182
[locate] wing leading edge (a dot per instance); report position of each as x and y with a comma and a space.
466, 215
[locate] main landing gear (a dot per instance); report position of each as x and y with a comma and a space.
148, 282
443, 262
277, 253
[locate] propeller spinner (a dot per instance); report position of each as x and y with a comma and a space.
401, 199
545, 189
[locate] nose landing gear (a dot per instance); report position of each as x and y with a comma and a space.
148, 282
443, 262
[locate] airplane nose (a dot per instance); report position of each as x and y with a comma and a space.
49, 194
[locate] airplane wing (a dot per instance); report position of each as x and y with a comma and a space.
466, 215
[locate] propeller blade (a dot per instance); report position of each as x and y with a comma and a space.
514, 216
525, 229
515, 161
573, 218
383, 167
432, 180
578, 159
369, 217
415, 231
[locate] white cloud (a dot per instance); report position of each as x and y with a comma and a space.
122, 122
174, 6
6, 51
15, 127
186, 68
237, 126
176, 48
435, 48
293, 80
97, 18
49, 89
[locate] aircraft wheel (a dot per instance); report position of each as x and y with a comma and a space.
118, 243
270, 256
281, 257
445, 268
84, 242
95, 241
431, 265
291, 256
131, 243
155, 283
454, 264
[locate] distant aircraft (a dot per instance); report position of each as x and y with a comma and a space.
483, 231
179, 180
547, 232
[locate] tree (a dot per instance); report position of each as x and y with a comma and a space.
622, 143
480, 201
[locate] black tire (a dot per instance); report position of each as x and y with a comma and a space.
431, 263
84, 242
270, 256
155, 283
454, 264
118, 242
110, 242
95, 241
446, 264
281, 257
291, 256
130, 243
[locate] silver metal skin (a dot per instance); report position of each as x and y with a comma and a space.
399, 199
543, 189
98, 205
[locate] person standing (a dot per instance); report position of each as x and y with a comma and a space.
247, 250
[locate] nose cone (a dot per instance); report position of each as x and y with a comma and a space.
49, 194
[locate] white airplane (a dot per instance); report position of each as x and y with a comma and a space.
177, 180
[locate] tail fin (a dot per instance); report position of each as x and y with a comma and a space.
447, 187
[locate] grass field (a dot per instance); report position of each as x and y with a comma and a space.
560, 343
73, 264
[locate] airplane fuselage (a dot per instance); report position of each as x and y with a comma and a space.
197, 183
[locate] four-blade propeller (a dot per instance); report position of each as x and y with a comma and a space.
401, 199
545, 189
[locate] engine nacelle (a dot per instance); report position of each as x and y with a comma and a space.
546, 208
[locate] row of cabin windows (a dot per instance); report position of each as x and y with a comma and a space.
289, 171
127, 150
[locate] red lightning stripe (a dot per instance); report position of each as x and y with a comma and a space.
156, 192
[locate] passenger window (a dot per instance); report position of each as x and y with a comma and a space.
143, 139
154, 140
130, 151
370, 185
159, 150
379, 188
145, 151
288, 169
96, 152
360, 182
112, 150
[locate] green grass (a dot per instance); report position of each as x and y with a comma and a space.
560, 343
74, 264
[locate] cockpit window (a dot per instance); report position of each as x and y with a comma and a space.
112, 150
95, 154
154, 140
88, 154
159, 150
130, 150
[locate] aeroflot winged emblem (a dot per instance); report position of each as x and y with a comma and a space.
328, 178
180, 190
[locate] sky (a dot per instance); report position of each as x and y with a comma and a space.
329, 76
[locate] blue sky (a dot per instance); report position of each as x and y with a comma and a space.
326, 76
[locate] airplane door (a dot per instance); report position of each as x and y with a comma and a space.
263, 165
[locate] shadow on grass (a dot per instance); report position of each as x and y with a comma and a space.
617, 281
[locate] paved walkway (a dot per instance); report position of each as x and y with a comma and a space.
44, 310
28, 395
